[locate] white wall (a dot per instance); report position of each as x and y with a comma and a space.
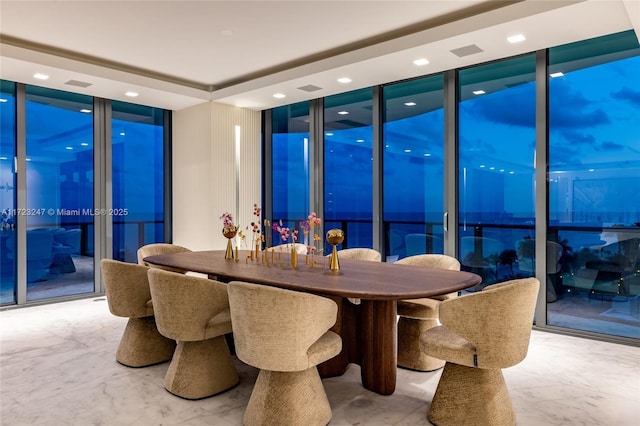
204, 172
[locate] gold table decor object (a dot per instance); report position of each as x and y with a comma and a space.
334, 237
229, 234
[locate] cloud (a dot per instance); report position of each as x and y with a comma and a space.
513, 107
568, 108
627, 94
610, 146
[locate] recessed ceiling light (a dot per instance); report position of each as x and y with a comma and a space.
86, 111
131, 94
410, 103
556, 74
122, 133
344, 80
279, 95
68, 148
343, 112
516, 38
3, 100
512, 173
41, 76
328, 134
359, 140
479, 92
3, 158
427, 155
482, 166
27, 159
407, 150
492, 168
420, 62
84, 144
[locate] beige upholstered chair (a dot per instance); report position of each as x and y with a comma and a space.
128, 296
481, 333
286, 248
285, 334
419, 315
159, 248
367, 254
195, 312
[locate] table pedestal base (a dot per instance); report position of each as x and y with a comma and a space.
369, 339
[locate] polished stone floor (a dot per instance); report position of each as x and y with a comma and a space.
57, 367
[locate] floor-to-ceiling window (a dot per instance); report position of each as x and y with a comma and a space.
413, 164
496, 168
594, 183
59, 188
53, 188
137, 147
7, 192
588, 260
290, 154
348, 166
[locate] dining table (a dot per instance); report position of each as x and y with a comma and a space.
366, 294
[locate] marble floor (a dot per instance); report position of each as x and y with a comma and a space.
57, 367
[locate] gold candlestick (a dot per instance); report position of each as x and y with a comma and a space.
294, 258
335, 237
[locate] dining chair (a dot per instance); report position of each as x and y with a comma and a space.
128, 295
481, 333
286, 335
194, 311
160, 248
286, 248
419, 315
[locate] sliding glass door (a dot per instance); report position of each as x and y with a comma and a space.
594, 184
496, 190
348, 166
8, 242
59, 188
413, 164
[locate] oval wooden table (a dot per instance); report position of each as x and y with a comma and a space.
368, 330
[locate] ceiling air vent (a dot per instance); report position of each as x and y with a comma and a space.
467, 50
78, 83
309, 88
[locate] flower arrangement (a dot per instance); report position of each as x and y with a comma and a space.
257, 236
314, 224
229, 230
228, 227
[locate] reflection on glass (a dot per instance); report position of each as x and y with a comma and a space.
138, 178
59, 158
594, 182
496, 163
290, 167
348, 166
414, 167
7, 192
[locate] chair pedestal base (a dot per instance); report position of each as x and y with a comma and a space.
471, 396
201, 369
409, 353
142, 345
288, 399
